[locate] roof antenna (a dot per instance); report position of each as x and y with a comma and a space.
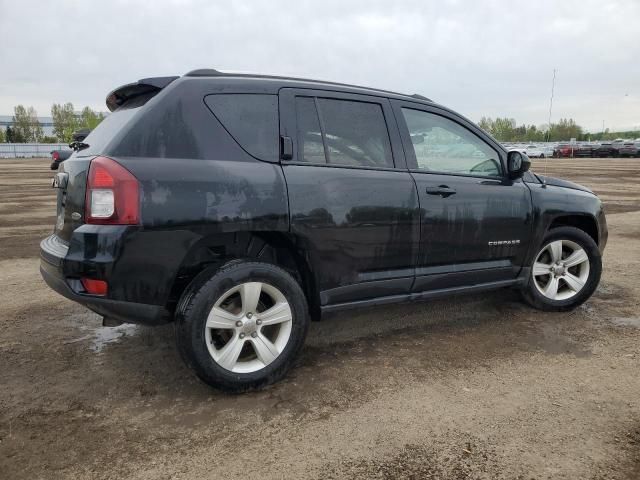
546, 158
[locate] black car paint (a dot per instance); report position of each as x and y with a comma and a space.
356, 236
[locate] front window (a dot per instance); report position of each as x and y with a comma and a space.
442, 145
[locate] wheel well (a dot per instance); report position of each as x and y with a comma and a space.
276, 248
583, 222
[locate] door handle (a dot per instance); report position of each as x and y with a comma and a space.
443, 190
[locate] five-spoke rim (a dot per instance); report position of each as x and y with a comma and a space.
248, 327
561, 269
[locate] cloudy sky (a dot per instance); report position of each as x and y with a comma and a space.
477, 57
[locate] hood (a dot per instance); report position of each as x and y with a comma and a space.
558, 182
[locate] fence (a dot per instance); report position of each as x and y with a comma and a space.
29, 150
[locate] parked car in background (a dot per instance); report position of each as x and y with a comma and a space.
533, 151
77, 139
605, 149
627, 149
583, 150
548, 150
563, 150
59, 156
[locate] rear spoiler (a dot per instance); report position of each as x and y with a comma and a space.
126, 92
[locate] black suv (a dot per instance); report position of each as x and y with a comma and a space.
243, 206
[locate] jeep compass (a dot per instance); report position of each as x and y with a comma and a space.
241, 207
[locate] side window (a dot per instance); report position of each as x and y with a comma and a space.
251, 119
442, 145
310, 147
354, 133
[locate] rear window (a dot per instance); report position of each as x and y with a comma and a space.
251, 119
106, 130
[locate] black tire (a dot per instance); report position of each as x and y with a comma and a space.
192, 316
536, 299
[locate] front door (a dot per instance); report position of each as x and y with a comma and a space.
475, 222
353, 204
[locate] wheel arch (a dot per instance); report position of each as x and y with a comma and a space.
273, 247
584, 222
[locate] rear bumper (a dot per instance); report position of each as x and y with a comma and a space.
53, 261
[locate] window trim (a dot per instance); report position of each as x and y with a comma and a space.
410, 156
323, 131
288, 124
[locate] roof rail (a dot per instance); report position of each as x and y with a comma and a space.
204, 72
420, 97
211, 72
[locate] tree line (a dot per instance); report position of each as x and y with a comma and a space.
506, 130
26, 127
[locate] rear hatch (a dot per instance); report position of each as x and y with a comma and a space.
71, 180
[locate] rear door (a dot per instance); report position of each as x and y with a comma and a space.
475, 222
353, 205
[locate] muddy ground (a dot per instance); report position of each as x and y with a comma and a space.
475, 387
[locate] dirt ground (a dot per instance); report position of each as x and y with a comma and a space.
475, 387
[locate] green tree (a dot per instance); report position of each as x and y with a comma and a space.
21, 124
486, 124
2, 137
26, 128
506, 130
13, 136
90, 119
37, 134
64, 121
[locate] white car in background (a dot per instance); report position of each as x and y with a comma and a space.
533, 151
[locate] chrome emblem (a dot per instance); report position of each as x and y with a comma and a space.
496, 243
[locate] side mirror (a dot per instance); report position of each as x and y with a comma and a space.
517, 164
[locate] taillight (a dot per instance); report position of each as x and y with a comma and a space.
55, 156
113, 194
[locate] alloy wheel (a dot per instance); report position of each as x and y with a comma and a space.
248, 327
561, 269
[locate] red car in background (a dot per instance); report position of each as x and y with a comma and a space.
564, 150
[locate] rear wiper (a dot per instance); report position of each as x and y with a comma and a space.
77, 146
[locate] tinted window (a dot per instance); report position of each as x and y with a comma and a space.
355, 133
310, 148
112, 125
251, 119
442, 145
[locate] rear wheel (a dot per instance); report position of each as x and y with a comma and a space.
243, 328
565, 272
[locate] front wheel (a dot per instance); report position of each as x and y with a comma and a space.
243, 328
565, 272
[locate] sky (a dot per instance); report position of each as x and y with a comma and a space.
480, 58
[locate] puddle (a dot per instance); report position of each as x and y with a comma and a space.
626, 321
98, 335
103, 336
551, 340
